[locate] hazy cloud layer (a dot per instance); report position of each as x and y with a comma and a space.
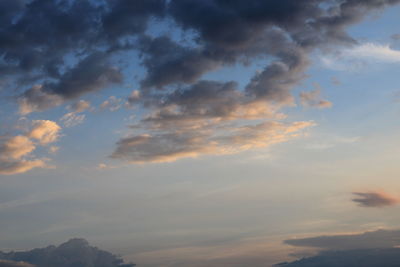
57, 51
367, 240
374, 199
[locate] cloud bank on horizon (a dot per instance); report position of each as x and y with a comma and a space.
74, 252
56, 52
372, 249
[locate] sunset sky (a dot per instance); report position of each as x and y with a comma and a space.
199, 132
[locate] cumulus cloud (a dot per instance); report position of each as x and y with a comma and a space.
16, 151
101, 37
75, 252
374, 199
45, 131
16, 147
35, 99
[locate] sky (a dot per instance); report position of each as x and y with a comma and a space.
200, 132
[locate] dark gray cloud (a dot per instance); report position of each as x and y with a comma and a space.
374, 249
75, 252
5, 263
350, 258
374, 199
59, 50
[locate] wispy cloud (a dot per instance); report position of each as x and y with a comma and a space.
314, 99
359, 56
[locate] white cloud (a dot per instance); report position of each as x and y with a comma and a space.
72, 119
359, 56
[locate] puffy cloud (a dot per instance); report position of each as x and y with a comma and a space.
15, 152
45, 131
91, 41
35, 99
374, 199
75, 252
12, 153
16, 147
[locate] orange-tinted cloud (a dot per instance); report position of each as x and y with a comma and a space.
16, 151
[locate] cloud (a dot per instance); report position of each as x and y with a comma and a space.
313, 99
351, 258
75, 252
15, 151
168, 147
45, 131
71, 119
374, 199
16, 147
360, 55
370, 249
367, 240
91, 41
35, 99
80, 106
6, 263
112, 104
378, 52
9, 167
